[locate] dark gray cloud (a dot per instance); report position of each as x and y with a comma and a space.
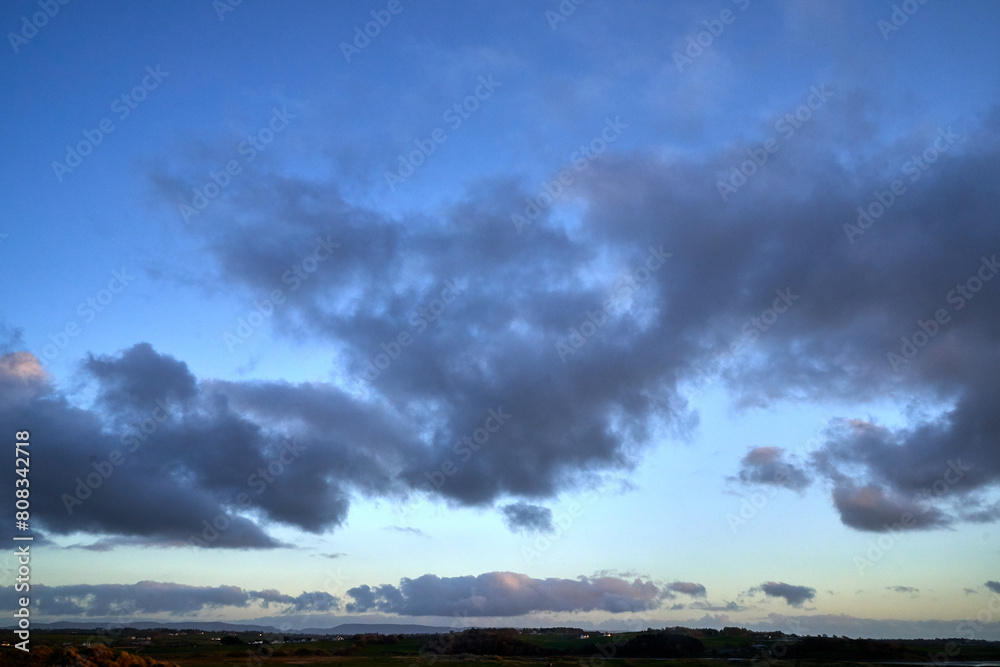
142, 467
504, 594
139, 378
524, 517
765, 465
315, 601
870, 508
792, 594
943, 481
902, 589
153, 597
779, 244
490, 312
687, 588
993, 586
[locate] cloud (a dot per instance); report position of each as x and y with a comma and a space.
779, 244
687, 588
578, 417
523, 517
764, 465
993, 586
793, 595
729, 606
870, 508
316, 601
21, 378
407, 529
138, 378
137, 466
504, 594
108, 544
902, 589
153, 597
311, 447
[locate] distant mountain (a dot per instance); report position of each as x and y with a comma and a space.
343, 629
380, 628
149, 625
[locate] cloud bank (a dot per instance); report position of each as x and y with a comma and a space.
153, 597
503, 594
767, 293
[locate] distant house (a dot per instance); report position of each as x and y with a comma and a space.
584, 636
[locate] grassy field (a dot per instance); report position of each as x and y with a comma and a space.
195, 649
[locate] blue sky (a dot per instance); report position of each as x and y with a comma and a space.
629, 230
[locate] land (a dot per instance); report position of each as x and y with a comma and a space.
483, 647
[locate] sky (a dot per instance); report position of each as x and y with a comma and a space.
605, 314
